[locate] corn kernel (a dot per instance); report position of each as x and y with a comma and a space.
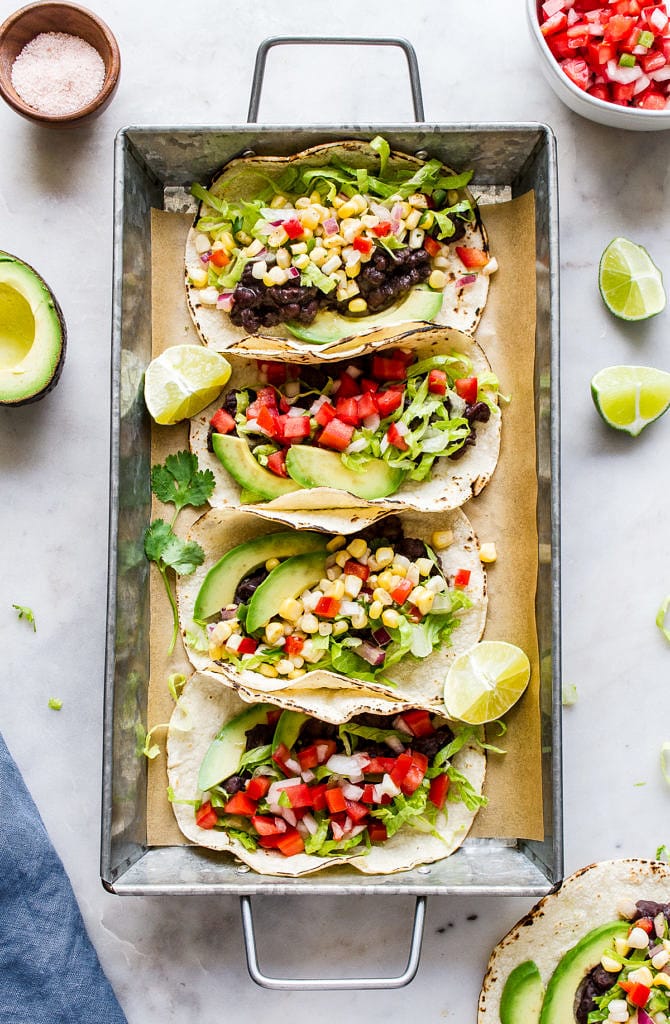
621, 946
336, 589
382, 596
227, 239
208, 296
332, 242
269, 671
416, 237
642, 976
390, 618
413, 574
291, 609
309, 218
416, 594
348, 209
311, 599
384, 556
427, 220
399, 570
318, 255
274, 632
610, 965
358, 306
308, 623
315, 197
488, 553
340, 627
385, 580
198, 276
303, 203
436, 584
202, 243
244, 238
283, 258
298, 662
418, 201
353, 270
284, 667
301, 262
441, 539
325, 628
338, 201
660, 959
375, 610
662, 980
638, 938
296, 673
216, 652
250, 251
359, 619
425, 602
357, 547
221, 632
331, 265
271, 564
437, 280
341, 558
412, 220
278, 202
425, 566
352, 585
268, 281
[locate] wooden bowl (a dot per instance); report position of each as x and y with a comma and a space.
22, 26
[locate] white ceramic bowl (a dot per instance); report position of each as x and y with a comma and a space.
601, 111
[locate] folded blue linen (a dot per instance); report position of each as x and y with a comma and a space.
49, 971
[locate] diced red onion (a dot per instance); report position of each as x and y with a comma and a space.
225, 302
293, 272
624, 76
395, 744
289, 816
662, 75
211, 626
310, 823
374, 656
352, 792
401, 725
464, 281
204, 257
387, 787
641, 84
302, 828
280, 824
402, 428
321, 752
338, 831
348, 824
551, 7
396, 212
308, 775
381, 637
372, 421
276, 789
658, 19
296, 410
261, 254
330, 226
277, 223
573, 17
396, 227
356, 830
639, 51
229, 612
643, 1017
349, 608
354, 371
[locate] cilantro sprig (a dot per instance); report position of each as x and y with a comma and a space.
168, 551
179, 482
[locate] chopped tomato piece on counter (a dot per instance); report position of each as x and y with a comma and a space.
437, 382
327, 607
222, 422
466, 388
439, 787
472, 258
241, 804
336, 434
335, 800
206, 816
462, 578
277, 463
419, 722
396, 438
258, 787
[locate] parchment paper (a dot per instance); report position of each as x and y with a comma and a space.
504, 513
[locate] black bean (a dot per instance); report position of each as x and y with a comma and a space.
479, 411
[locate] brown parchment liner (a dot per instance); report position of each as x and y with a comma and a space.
504, 513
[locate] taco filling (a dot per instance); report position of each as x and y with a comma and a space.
335, 237
287, 782
387, 413
355, 608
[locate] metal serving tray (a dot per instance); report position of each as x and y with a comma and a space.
151, 164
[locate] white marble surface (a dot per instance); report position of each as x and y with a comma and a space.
170, 960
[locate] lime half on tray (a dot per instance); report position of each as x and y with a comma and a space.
486, 681
183, 380
630, 282
630, 397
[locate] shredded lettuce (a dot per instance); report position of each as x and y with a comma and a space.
402, 810
311, 275
660, 618
255, 756
462, 791
381, 146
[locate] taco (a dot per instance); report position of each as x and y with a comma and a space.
343, 240
595, 950
412, 427
385, 611
289, 794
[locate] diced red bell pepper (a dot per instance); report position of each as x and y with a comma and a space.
325, 749
266, 826
206, 816
357, 812
381, 766
367, 405
415, 773
618, 27
557, 22
336, 434
384, 368
319, 796
295, 428
325, 414
293, 228
300, 795
439, 787
472, 258
432, 246
466, 388
437, 382
363, 245
347, 411
335, 800
419, 722
241, 804
368, 385
382, 229
348, 386
354, 568
403, 763
462, 578
402, 591
258, 786
222, 422
577, 71
308, 757
638, 994
219, 257
622, 94
291, 843
389, 401
327, 607
247, 646
277, 463
396, 438
275, 373
377, 832
293, 645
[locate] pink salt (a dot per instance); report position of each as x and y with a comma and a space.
57, 73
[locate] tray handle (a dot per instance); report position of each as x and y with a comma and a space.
267, 44
321, 984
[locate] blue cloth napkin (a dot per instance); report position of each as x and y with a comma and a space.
49, 971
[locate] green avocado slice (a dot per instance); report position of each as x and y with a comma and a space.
572, 968
522, 995
317, 467
288, 580
236, 458
224, 753
422, 304
32, 334
220, 583
288, 728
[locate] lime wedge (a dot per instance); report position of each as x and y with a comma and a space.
630, 397
630, 283
484, 682
182, 380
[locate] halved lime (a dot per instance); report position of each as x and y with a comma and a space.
630, 282
630, 397
182, 380
484, 682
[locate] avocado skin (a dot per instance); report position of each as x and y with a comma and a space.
522, 995
223, 755
559, 1000
7, 257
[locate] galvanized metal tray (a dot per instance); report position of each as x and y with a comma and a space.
152, 166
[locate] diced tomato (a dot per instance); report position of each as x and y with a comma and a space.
347, 410
439, 787
219, 257
348, 386
380, 766
651, 101
327, 607
645, 923
277, 463
384, 368
293, 228
437, 382
622, 94
319, 796
268, 420
293, 645
389, 401
274, 716
419, 722
578, 36
308, 757
266, 826
354, 568
258, 786
270, 842
402, 591
405, 355
325, 414
336, 434
382, 229
618, 27
557, 22
396, 438
366, 405
600, 92
657, 19
356, 811
275, 373
377, 832
325, 749
335, 800
402, 765
295, 428
290, 843
363, 245
280, 756
472, 258
466, 388
652, 61
462, 578
368, 796
577, 71
638, 993
222, 422
241, 804
247, 646
598, 54
415, 773
300, 795
558, 44
264, 397
432, 246
206, 816
368, 385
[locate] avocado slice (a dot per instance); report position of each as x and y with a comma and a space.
288, 728
220, 583
225, 752
317, 467
288, 580
522, 995
420, 304
235, 455
32, 334
559, 1000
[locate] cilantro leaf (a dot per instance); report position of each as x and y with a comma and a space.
179, 482
168, 551
156, 539
182, 556
27, 614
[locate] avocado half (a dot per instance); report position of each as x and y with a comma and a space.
33, 334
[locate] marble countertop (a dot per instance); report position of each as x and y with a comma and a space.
172, 960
